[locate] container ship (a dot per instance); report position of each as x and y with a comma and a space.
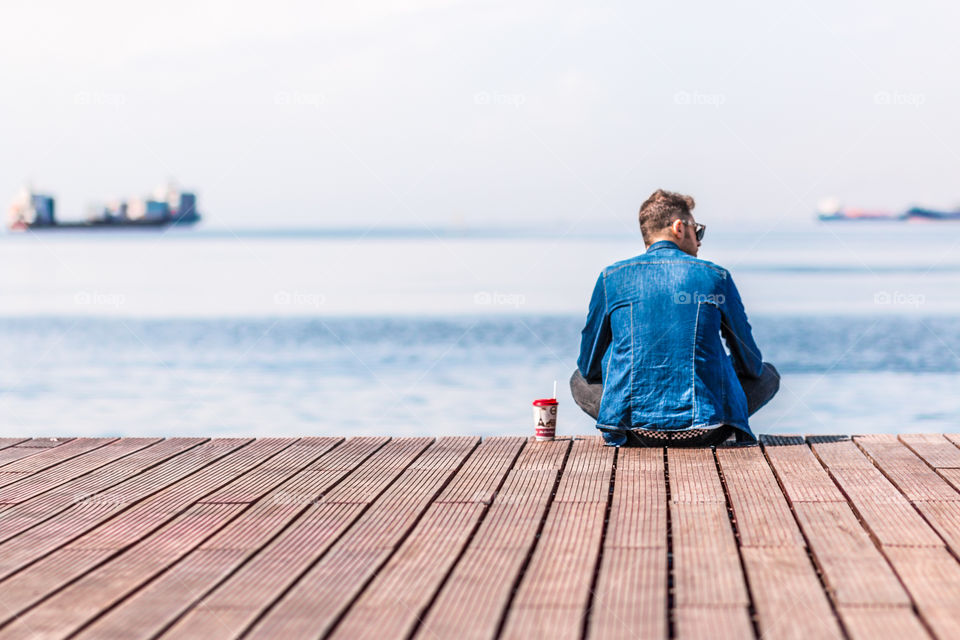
168, 206
830, 210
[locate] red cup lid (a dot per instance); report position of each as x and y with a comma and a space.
544, 402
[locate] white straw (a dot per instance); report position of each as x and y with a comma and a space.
554, 396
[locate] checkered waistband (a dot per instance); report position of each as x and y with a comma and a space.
673, 435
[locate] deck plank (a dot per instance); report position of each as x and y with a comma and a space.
81, 516
907, 471
631, 591
854, 570
693, 477
30, 507
235, 603
716, 623
631, 597
932, 576
934, 448
780, 575
312, 605
28, 448
104, 585
918, 555
151, 609
48, 458
253, 485
105, 537
761, 513
931, 494
110, 583
801, 475
638, 511
887, 514
563, 564
480, 585
69, 470
706, 562
789, 599
403, 589
882, 623
45, 443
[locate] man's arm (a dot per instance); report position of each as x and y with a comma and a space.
596, 336
735, 328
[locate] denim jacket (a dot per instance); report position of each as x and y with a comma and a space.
652, 337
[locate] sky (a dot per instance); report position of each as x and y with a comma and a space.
472, 114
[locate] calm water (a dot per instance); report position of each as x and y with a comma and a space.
410, 333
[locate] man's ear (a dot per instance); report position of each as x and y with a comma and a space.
677, 228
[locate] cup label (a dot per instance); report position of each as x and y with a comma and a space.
545, 421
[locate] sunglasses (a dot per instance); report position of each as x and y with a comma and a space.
699, 229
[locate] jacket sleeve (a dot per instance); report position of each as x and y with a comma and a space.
596, 335
735, 328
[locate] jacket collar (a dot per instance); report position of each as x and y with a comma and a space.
663, 244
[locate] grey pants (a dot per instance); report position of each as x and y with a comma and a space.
758, 391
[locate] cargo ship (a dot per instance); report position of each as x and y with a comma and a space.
830, 210
33, 211
919, 214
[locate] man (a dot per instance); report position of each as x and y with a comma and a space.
652, 369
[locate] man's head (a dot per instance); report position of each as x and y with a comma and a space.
667, 216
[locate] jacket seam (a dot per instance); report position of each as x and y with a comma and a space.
632, 355
693, 364
694, 261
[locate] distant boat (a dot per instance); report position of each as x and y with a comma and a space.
169, 206
830, 210
919, 214
859, 214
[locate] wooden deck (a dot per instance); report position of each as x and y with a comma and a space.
828, 537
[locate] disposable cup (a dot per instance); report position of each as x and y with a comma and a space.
545, 418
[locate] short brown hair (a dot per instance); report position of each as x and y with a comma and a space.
661, 209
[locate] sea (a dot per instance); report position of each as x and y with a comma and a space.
424, 331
